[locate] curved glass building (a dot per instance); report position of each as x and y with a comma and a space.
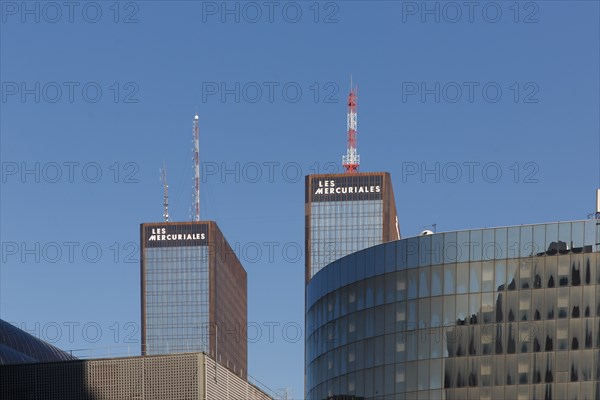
500, 313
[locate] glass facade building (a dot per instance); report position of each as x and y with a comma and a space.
499, 313
346, 213
193, 293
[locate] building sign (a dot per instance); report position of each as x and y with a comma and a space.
166, 235
346, 187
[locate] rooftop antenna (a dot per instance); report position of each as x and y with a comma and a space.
351, 160
163, 179
196, 204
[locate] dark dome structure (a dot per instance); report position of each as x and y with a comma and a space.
19, 347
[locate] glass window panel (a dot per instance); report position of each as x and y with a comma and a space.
476, 238
379, 291
436, 280
411, 376
450, 250
563, 270
498, 367
423, 375
400, 285
550, 301
400, 347
435, 374
474, 308
462, 308
400, 378
511, 274
501, 247
500, 275
411, 345
526, 246
401, 256
485, 371
577, 235
437, 247
412, 283
590, 271
576, 341
564, 235
537, 308
390, 318
562, 302
475, 277
588, 301
424, 313
539, 239
511, 370
462, 240
449, 278
412, 252
488, 245
424, 280
525, 305
424, 250
513, 242
575, 310
449, 310
552, 271
500, 307
461, 373
462, 277
436, 312
474, 340
562, 334
390, 256
487, 308
411, 320
390, 288
525, 274
512, 307
487, 276
390, 348
551, 247
360, 295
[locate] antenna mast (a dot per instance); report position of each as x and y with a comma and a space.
163, 178
351, 160
196, 204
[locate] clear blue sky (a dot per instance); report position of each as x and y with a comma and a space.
541, 134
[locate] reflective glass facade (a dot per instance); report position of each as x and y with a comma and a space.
193, 293
346, 213
177, 309
501, 313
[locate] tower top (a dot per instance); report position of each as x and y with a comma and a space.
351, 160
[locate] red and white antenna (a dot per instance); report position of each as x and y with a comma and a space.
351, 160
196, 204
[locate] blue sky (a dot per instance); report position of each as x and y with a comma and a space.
484, 117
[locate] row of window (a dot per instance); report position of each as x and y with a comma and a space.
530, 242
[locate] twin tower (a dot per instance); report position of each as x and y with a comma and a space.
194, 288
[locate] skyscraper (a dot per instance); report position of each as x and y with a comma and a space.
193, 293
345, 213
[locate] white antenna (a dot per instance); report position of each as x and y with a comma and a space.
163, 178
196, 204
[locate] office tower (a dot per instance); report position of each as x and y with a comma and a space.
495, 313
345, 213
193, 293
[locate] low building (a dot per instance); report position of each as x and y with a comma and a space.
183, 376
